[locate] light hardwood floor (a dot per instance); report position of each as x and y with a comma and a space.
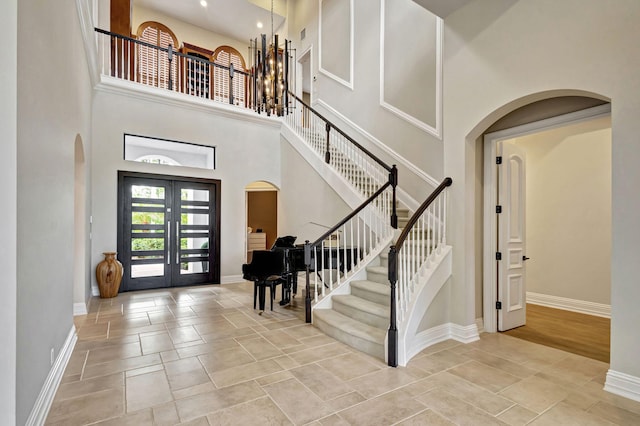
581, 334
203, 356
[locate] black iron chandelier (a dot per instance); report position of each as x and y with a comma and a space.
270, 66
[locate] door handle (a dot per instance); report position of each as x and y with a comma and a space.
177, 242
168, 245
525, 258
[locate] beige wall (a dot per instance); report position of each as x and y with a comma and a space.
8, 214
247, 150
53, 108
573, 47
568, 211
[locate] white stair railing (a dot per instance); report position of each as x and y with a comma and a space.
352, 242
418, 246
362, 169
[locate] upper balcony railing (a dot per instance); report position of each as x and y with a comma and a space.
134, 60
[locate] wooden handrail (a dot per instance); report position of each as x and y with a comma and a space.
412, 221
165, 49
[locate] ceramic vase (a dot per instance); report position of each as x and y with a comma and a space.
109, 275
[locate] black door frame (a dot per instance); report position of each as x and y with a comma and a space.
213, 276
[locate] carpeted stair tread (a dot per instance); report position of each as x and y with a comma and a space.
363, 310
378, 269
372, 287
350, 326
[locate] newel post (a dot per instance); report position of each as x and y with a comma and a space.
392, 344
393, 179
231, 71
327, 154
170, 58
307, 298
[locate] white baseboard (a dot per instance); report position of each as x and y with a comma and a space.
79, 309
464, 333
231, 279
480, 325
440, 333
42, 405
95, 291
623, 385
580, 306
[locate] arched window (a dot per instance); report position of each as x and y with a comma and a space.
226, 55
153, 64
157, 159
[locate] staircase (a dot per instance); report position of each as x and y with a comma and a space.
360, 318
355, 307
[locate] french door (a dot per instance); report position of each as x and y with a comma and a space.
168, 231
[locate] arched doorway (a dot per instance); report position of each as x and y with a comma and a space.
568, 169
262, 216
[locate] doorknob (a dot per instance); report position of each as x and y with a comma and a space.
525, 258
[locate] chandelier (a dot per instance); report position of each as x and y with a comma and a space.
270, 64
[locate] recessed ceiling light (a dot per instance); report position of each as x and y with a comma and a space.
203, 3
259, 24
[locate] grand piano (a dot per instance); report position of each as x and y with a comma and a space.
333, 257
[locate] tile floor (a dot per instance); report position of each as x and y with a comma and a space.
203, 356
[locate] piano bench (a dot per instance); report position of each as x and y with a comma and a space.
259, 290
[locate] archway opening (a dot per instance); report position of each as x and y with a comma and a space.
568, 145
262, 216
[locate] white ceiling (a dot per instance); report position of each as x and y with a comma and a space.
233, 18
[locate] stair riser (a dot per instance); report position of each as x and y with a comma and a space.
381, 299
362, 316
378, 278
373, 349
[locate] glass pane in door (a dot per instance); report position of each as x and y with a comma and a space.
194, 229
148, 236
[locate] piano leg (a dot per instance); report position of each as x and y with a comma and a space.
295, 283
286, 290
261, 292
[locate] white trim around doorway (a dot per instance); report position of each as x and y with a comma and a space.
490, 291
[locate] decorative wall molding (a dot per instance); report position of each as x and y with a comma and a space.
623, 384
42, 405
329, 74
433, 130
480, 325
574, 305
400, 159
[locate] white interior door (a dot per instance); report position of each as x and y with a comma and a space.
512, 290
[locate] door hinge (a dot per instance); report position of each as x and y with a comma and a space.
498, 305
498, 256
499, 160
498, 209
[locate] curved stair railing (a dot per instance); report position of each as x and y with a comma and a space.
420, 242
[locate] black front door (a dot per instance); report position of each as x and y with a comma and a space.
168, 231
